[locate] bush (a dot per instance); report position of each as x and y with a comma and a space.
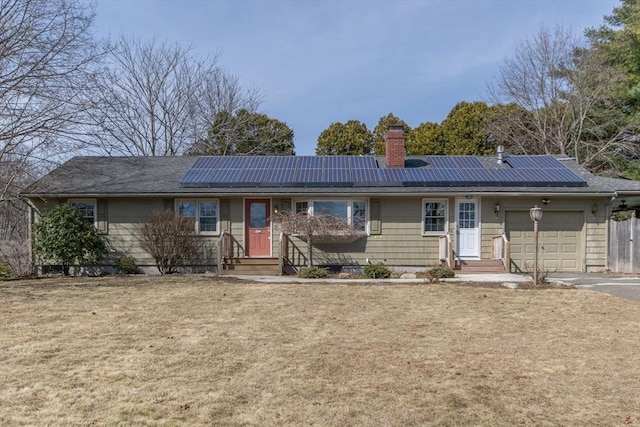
5, 271
64, 237
313, 273
439, 272
541, 276
623, 215
376, 271
126, 265
169, 239
14, 256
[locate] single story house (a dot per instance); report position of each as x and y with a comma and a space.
412, 211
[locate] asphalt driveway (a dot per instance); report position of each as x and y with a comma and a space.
620, 285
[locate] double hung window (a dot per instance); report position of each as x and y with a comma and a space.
86, 208
203, 212
434, 216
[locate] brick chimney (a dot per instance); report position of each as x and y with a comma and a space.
394, 146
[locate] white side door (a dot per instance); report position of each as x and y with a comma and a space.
468, 228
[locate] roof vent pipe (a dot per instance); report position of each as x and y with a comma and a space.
500, 153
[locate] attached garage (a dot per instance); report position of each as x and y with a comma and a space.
560, 246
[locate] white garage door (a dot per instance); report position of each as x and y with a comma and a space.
559, 241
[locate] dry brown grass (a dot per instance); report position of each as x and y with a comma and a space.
195, 351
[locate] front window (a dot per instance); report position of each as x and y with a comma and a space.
86, 208
355, 212
302, 207
330, 207
203, 212
434, 217
359, 215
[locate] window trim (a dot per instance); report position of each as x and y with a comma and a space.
197, 202
446, 216
349, 201
87, 200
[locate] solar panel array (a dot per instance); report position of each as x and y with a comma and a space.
361, 171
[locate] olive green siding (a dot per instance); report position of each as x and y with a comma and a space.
395, 225
399, 243
593, 234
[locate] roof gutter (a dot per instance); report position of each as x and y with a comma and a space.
332, 193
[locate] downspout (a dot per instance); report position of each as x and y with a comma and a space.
607, 239
631, 251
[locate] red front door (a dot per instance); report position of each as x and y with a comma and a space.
257, 227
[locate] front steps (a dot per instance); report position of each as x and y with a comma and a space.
269, 266
479, 266
251, 266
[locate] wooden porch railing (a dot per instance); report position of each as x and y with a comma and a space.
228, 248
502, 249
289, 254
446, 250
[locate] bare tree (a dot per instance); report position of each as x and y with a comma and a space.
169, 239
556, 96
47, 57
157, 99
319, 227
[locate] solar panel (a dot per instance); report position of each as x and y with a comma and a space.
280, 176
467, 162
223, 176
284, 162
193, 176
338, 176
524, 162
340, 171
547, 162
532, 162
362, 162
260, 162
364, 176
479, 176
418, 177
336, 162
252, 176
391, 176
304, 176
564, 174
310, 162
458, 162
450, 175
509, 176
231, 162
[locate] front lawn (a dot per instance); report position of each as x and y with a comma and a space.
196, 351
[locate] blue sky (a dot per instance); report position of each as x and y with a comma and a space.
319, 62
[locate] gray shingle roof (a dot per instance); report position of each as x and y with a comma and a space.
139, 176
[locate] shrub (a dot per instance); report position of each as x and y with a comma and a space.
541, 276
126, 265
5, 271
439, 272
64, 237
169, 239
376, 271
623, 215
14, 255
313, 273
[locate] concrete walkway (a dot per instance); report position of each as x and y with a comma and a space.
485, 277
620, 285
